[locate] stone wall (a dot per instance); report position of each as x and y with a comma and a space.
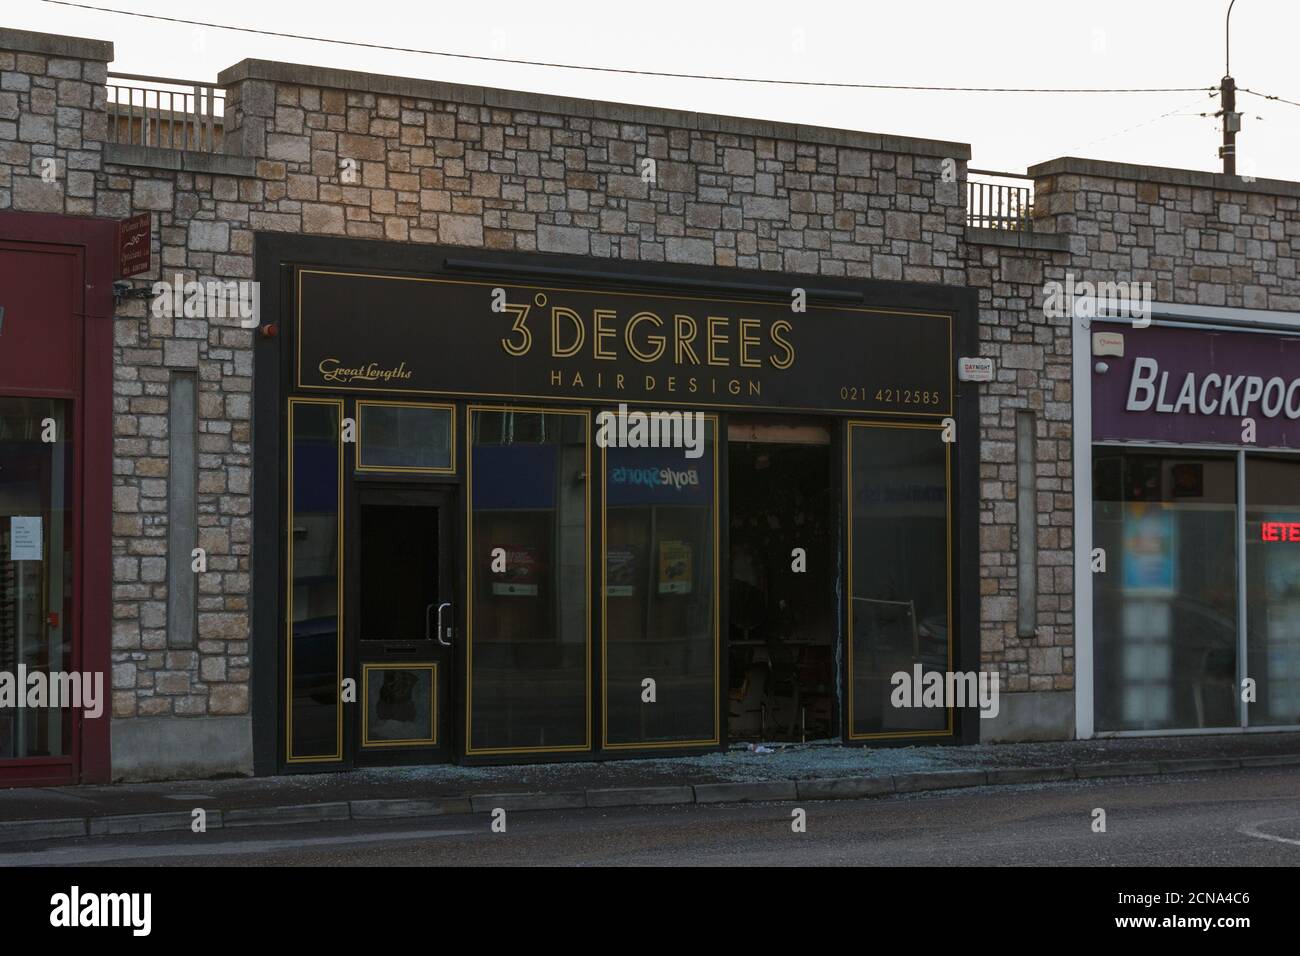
1032, 361
1197, 242
1194, 238
52, 97
514, 172
434, 163
334, 153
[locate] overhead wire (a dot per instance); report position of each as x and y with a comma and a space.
626, 70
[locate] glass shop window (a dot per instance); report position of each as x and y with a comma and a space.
314, 719
660, 582
405, 437
900, 583
1273, 588
1165, 609
35, 567
529, 637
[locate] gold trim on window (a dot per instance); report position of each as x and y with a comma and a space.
848, 637
432, 739
604, 618
289, 583
408, 469
470, 750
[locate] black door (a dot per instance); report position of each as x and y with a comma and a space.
404, 629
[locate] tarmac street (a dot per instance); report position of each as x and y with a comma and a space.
1248, 817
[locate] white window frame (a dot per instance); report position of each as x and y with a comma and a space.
1165, 314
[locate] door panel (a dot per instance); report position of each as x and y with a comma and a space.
36, 560
38, 330
40, 372
404, 662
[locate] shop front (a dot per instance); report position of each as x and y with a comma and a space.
532, 507
55, 497
1195, 529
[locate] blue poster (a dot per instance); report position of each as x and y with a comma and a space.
1150, 543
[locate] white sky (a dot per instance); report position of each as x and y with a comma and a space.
1021, 43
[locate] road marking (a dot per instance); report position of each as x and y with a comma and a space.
1252, 830
107, 854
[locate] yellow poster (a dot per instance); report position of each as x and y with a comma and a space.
674, 567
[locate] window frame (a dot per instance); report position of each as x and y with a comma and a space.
951, 727
363, 468
467, 668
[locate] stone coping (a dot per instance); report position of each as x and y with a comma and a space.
1018, 239
1067, 165
54, 44
191, 161
275, 72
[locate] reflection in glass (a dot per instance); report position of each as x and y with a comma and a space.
404, 437
314, 729
1273, 588
660, 600
36, 579
1165, 610
899, 573
529, 621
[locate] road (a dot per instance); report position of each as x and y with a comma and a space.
1244, 817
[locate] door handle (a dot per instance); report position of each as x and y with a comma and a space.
442, 607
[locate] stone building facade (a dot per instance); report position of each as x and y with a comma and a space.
333, 153
1199, 240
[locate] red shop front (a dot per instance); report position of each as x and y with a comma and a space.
56, 353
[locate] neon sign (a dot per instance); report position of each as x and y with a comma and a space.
1279, 531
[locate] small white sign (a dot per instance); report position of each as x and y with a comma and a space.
24, 539
1108, 343
974, 369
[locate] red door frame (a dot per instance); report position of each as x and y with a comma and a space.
93, 242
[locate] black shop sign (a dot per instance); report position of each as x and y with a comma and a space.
449, 337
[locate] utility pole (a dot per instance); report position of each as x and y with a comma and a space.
1228, 92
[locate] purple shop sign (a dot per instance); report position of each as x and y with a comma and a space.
1196, 387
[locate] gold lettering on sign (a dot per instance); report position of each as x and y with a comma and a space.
525, 343
643, 336
746, 341
683, 341
600, 315
781, 325
657, 341
557, 350
331, 370
716, 338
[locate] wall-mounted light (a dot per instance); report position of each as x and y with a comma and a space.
124, 290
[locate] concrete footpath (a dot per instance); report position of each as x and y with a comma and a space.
790, 772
